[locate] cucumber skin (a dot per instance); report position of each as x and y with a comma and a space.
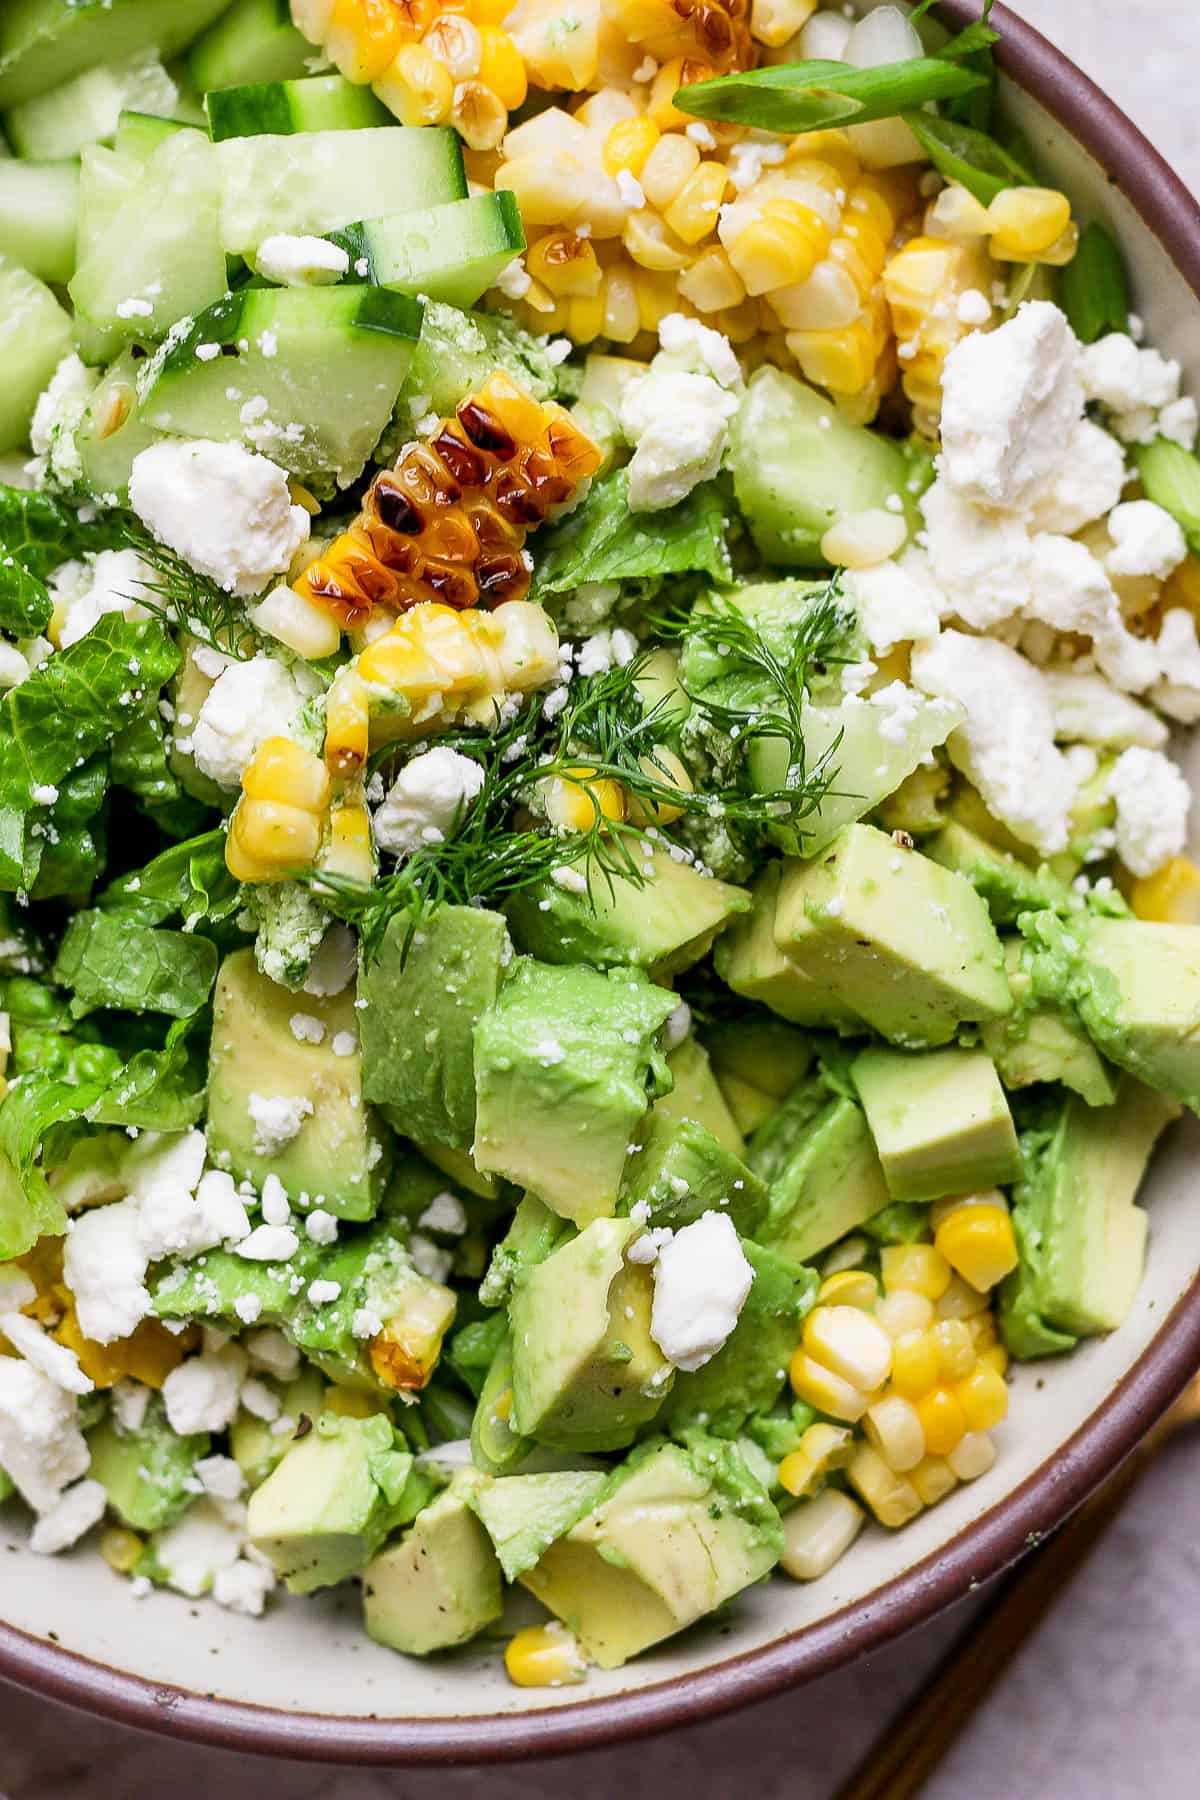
457, 273
45, 42
280, 108
253, 310
254, 40
39, 216
35, 334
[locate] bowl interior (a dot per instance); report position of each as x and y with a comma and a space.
311, 1657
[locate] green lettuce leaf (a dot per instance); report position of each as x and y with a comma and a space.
37, 533
65, 843
159, 1090
601, 540
31, 1109
189, 880
108, 961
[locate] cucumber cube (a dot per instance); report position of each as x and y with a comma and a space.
321, 103
85, 110
35, 334
452, 252
45, 42
254, 40
39, 214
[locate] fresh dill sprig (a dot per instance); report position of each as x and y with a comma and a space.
187, 600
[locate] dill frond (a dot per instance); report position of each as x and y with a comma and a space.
186, 600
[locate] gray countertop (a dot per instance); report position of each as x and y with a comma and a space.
1102, 1701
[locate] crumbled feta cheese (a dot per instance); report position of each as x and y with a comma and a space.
629, 188
1152, 800
202, 1393
51, 1359
276, 1208
596, 654
300, 261
69, 1519
260, 1401
335, 964
701, 1280
41, 1446
320, 1227
344, 1043
426, 800
225, 510
445, 1213
248, 703
429, 1259
1070, 591
1085, 485
979, 559
1123, 378
269, 1243
1010, 400
104, 1265
306, 1028
57, 418
16, 1289
221, 1477
678, 422
566, 876
193, 1551
1146, 540
973, 307
242, 1587
109, 582
896, 601
44, 795
1179, 421
277, 1119
366, 1323
130, 1400
514, 280
1006, 743
698, 350
1089, 710
323, 1293
1178, 693
133, 308
270, 1350
749, 157
248, 1307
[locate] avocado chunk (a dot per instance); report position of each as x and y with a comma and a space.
823, 1172
747, 1372
148, 1473
338, 1157
255, 1447
908, 944
1042, 1042
663, 924
587, 1375
566, 1065
757, 1062
496, 1445
681, 1171
458, 1164
325, 1509
750, 961
696, 1095
531, 1236
678, 1530
419, 1004
939, 1119
1008, 885
1081, 1237
439, 1586
524, 1514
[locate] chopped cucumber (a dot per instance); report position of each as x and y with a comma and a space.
43, 43
112, 432
85, 110
322, 103
307, 376
452, 252
139, 134
317, 181
254, 41
35, 335
149, 249
39, 214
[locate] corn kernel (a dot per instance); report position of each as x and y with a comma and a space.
955, 1348
822, 1448
629, 143
417, 87
942, 1420
567, 264
957, 214
983, 1397
851, 1343
361, 39
933, 1479
994, 1356
1027, 222
544, 1656
861, 540
349, 851
894, 1429
972, 1456
775, 22
903, 1312
670, 163
842, 361
1171, 896
455, 41
818, 1533
961, 1301
660, 102
979, 1244
478, 115
914, 1363
666, 768
294, 621
819, 1387
652, 244
281, 769
891, 1497
692, 214
501, 67
404, 1354
120, 1549
347, 723
850, 1287
920, 1267
712, 283
268, 841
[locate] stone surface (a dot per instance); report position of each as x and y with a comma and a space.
1102, 1701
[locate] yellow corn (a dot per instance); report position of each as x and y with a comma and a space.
821, 1388
776, 22
943, 1420
1171, 896
628, 144
891, 1497
120, 1549
501, 68
544, 1656
849, 1287
670, 163
350, 851
305, 629
903, 1311
667, 769
983, 1397
954, 1347
277, 825
850, 1343
361, 37
972, 1456
478, 115
712, 283
716, 30
914, 1363
920, 1267
1026, 222
818, 1533
822, 1448
978, 1243
933, 1479
558, 51
652, 245
580, 800
692, 214
566, 264
961, 1301
405, 1353
417, 87
893, 1427
923, 282
347, 722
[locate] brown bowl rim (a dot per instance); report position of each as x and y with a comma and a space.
993, 1541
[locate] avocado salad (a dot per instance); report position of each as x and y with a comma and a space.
595, 919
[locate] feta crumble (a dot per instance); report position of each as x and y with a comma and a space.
300, 261
225, 510
701, 1281
426, 800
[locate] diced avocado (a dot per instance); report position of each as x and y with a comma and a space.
697, 1096
35, 334
940, 1121
749, 960
252, 1443
908, 944
524, 1514
750, 1368
678, 1530
458, 1164
682, 1171
566, 1064
307, 376
419, 1004
311, 103
45, 42
328, 1505
496, 1445
586, 1372
451, 252
6, 1487
439, 1586
967, 808
917, 805
823, 1172
147, 1473
253, 40
757, 1061
1042, 1042
1081, 1237
531, 1236
413, 1184
338, 1156
1008, 885
799, 466
663, 925
109, 437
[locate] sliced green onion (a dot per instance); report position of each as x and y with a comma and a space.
1094, 286
967, 156
969, 41
1171, 477
815, 96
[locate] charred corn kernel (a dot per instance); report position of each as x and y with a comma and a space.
957, 214
955, 1348
914, 1363
933, 1479
861, 540
893, 1428
712, 283
297, 623
851, 1343
978, 1243
544, 1656
961, 1301
818, 1533
679, 72
361, 37
942, 1420
972, 1456
779, 246
417, 87
822, 1449
903, 1312
580, 800
669, 164
849, 1287
629, 143
892, 1498
405, 1353
147, 1355
1171, 896
693, 212
666, 768
919, 1267
455, 41
819, 1387
1025, 222
652, 244
501, 68
983, 1396
565, 263
775, 22
449, 521
120, 1548
350, 851
716, 30
478, 115
347, 723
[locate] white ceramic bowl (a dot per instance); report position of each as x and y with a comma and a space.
306, 1681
